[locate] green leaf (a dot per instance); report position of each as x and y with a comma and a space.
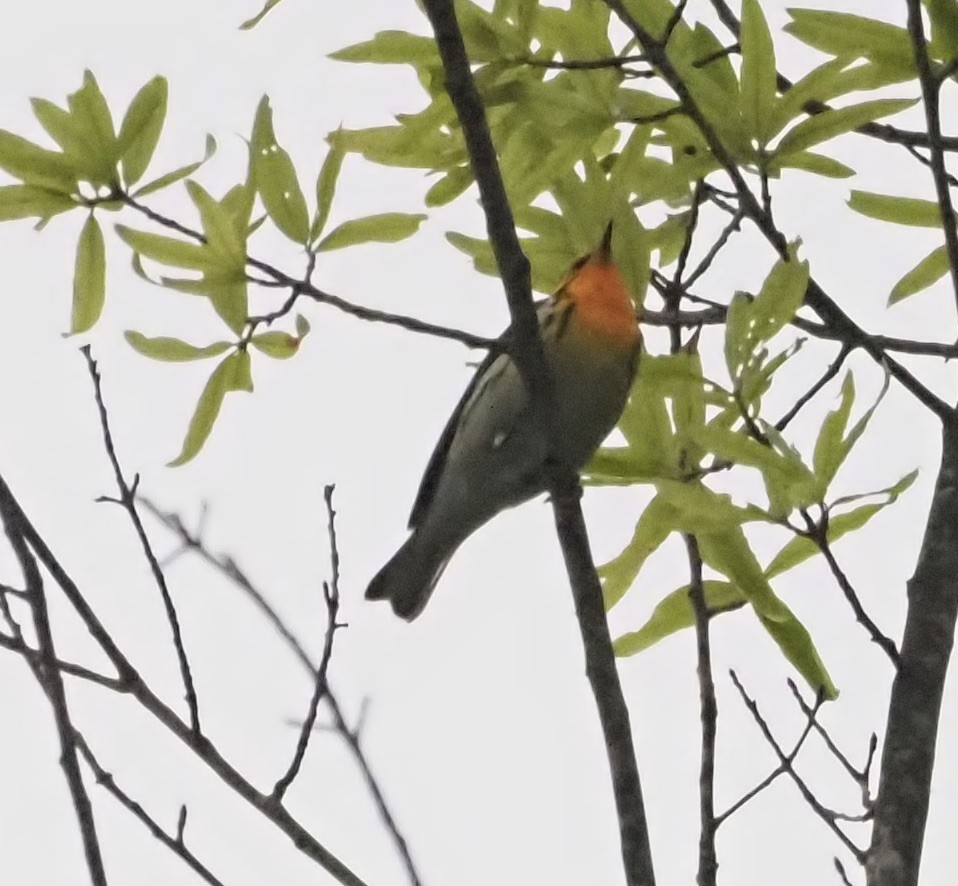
141, 128
225, 246
392, 48
797, 646
653, 527
944, 28
453, 184
230, 300
801, 548
832, 446
280, 345
275, 178
166, 250
302, 326
251, 23
758, 72
89, 277
172, 350
389, 227
93, 122
837, 121
630, 247
34, 165
25, 201
675, 613
853, 36
727, 551
699, 510
818, 164
788, 482
928, 271
900, 210
326, 187
826, 459
171, 178
232, 374
781, 296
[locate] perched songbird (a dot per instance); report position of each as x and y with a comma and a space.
492, 453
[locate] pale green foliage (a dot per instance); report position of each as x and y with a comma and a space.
577, 148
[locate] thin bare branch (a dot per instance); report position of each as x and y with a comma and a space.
781, 769
321, 681
127, 501
826, 377
47, 674
230, 569
818, 533
862, 776
174, 842
826, 815
133, 683
708, 861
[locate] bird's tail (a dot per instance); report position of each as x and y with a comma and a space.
408, 579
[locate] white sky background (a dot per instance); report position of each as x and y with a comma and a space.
480, 723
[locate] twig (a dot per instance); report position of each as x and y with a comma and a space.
840, 870
527, 350
818, 532
708, 861
815, 296
781, 769
862, 776
134, 684
231, 570
825, 814
930, 93
301, 288
174, 842
20, 647
321, 682
734, 225
127, 501
826, 377
51, 681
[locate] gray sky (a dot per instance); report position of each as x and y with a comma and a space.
480, 722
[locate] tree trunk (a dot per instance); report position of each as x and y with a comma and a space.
909, 754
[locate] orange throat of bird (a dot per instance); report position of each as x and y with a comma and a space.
602, 303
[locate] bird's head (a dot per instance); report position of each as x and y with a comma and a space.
595, 285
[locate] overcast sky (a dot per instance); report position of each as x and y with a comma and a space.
480, 723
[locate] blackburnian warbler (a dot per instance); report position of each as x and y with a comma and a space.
492, 453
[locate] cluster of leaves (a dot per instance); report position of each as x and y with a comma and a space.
97, 168
885, 51
582, 138
680, 428
580, 144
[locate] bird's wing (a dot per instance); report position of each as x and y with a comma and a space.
437, 461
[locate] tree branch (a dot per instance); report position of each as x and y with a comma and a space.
127, 501
321, 681
815, 296
908, 757
230, 569
528, 352
930, 93
133, 683
708, 861
51, 681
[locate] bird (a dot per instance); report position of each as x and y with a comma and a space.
493, 453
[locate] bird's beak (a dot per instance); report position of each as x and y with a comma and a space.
603, 252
